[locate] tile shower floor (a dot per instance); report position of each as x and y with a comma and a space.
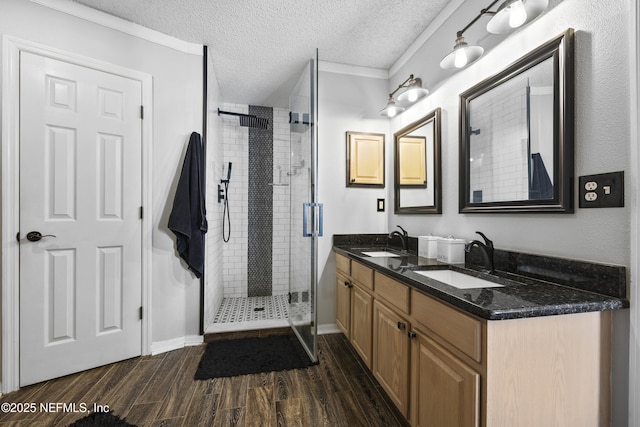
240, 314
233, 310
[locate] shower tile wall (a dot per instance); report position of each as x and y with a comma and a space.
260, 218
281, 156
235, 150
235, 265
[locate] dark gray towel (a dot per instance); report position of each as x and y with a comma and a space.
541, 186
188, 219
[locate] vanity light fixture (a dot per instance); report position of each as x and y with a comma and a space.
413, 91
510, 15
462, 54
515, 13
391, 109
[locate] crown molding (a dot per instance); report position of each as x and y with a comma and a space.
437, 22
354, 70
101, 18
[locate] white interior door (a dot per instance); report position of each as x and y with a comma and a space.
80, 181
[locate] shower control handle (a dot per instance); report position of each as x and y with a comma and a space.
35, 236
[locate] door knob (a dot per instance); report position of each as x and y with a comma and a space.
34, 236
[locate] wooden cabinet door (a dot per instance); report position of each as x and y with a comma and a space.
362, 323
343, 304
391, 354
366, 159
445, 391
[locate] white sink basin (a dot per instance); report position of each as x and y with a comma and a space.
379, 254
458, 280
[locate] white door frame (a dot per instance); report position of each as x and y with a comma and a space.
634, 163
10, 211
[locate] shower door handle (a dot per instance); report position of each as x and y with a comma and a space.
317, 219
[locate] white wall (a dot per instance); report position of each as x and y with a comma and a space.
346, 103
177, 111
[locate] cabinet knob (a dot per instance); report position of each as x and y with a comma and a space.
401, 326
348, 284
411, 334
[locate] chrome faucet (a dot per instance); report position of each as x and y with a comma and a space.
404, 237
486, 249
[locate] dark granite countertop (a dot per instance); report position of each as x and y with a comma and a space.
520, 296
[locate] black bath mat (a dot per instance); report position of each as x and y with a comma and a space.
101, 419
229, 358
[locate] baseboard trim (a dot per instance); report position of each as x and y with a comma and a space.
175, 344
328, 329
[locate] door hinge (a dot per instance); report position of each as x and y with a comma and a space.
289, 297
140, 313
141, 213
142, 112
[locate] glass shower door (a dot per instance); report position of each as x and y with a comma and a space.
305, 211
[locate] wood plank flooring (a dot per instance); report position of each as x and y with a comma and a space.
160, 390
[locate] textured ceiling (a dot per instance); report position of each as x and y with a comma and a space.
258, 48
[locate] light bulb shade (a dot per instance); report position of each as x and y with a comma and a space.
413, 93
515, 13
461, 55
391, 109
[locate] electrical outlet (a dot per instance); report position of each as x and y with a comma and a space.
591, 196
590, 185
604, 190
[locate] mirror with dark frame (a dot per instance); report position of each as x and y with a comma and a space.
516, 135
417, 167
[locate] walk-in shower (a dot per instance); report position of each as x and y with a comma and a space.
263, 269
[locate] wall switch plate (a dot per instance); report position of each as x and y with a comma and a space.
605, 190
380, 205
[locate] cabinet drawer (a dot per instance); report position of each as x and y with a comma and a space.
343, 264
460, 330
361, 274
393, 291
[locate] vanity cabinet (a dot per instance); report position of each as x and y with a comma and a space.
391, 354
445, 391
361, 323
343, 304
343, 294
442, 366
354, 305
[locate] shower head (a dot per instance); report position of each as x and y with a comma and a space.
254, 122
226, 181
248, 120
